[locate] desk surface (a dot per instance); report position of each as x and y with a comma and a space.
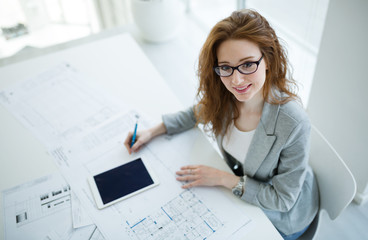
103, 60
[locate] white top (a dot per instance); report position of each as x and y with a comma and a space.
237, 142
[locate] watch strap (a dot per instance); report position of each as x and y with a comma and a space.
238, 189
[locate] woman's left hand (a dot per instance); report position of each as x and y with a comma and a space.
199, 175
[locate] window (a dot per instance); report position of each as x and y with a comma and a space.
300, 25
41, 23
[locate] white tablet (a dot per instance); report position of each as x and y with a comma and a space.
121, 182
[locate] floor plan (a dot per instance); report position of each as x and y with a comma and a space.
184, 217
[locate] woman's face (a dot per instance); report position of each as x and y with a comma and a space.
236, 52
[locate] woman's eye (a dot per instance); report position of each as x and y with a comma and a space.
225, 68
247, 65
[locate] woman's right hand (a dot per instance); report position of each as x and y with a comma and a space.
143, 137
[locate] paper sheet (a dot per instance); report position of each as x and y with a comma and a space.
174, 214
41, 209
85, 142
79, 216
59, 104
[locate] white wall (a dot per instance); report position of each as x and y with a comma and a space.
300, 24
338, 103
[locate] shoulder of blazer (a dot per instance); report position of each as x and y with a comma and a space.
291, 114
294, 112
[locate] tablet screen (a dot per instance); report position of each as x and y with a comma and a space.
123, 180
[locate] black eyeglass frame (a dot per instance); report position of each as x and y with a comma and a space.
215, 68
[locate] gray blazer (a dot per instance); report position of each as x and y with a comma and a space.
279, 179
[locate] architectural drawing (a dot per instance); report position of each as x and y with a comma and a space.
85, 136
41, 209
184, 217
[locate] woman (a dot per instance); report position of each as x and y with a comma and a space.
248, 103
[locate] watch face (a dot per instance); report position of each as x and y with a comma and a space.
237, 192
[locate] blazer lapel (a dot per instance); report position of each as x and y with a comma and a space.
263, 139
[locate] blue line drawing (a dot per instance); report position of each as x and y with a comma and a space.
138, 223
166, 213
209, 226
183, 216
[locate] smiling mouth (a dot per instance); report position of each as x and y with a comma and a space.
243, 89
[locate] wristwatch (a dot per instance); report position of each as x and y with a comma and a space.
238, 190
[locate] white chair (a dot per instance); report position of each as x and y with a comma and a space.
337, 186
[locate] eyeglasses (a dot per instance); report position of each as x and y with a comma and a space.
245, 68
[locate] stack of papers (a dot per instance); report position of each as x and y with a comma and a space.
42, 209
83, 130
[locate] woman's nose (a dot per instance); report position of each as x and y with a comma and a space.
237, 77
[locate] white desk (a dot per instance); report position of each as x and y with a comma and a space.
23, 158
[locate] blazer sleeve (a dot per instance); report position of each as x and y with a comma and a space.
180, 121
282, 192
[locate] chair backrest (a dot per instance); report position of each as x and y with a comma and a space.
337, 186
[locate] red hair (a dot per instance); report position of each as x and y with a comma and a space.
217, 107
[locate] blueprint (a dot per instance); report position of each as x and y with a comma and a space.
170, 212
79, 215
41, 209
184, 217
59, 105
83, 129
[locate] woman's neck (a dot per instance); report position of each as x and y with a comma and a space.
250, 113
253, 106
